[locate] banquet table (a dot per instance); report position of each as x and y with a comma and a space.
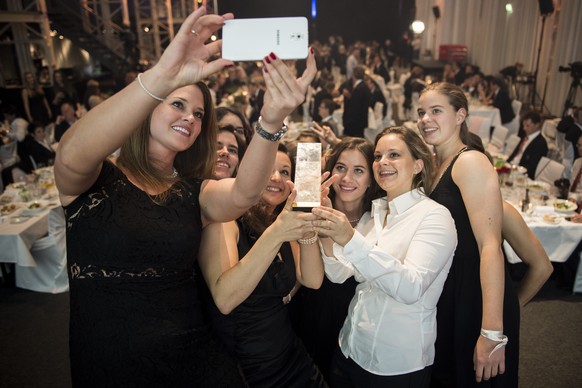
20, 229
558, 236
29, 222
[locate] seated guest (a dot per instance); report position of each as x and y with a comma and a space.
377, 96
231, 148
572, 127
13, 152
532, 146
501, 100
325, 110
324, 93
575, 193
64, 121
39, 149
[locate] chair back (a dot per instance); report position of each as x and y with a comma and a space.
481, 126
513, 125
50, 256
498, 137
510, 144
549, 171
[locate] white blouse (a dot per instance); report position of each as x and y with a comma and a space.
401, 269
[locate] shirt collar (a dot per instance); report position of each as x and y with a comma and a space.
399, 204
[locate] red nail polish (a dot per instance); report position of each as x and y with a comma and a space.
267, 60
311, 50
265, 69
228, 66
273, 56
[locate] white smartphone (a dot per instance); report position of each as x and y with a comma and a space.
253, 39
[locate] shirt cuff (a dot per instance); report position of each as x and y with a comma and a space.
355, 250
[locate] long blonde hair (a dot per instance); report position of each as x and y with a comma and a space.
196, 162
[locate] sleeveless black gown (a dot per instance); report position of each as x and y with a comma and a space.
459, 308
259, 331
136, 317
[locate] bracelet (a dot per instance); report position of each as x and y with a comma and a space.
496, 336
288, 298
146, 90
308, 241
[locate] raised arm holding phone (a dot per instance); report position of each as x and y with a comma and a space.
134, 223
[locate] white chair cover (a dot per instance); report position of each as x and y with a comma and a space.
513, 125
338, 117
510, 144
498, 137
480, 126
549, 171
50, 254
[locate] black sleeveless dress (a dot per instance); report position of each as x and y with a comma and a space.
459, 309
136, 316
259, 331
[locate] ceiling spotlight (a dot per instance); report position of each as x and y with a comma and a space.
417, 27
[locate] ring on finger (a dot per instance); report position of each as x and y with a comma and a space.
193, 31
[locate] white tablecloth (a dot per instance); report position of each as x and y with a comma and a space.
558, 240
488, 112
17, 238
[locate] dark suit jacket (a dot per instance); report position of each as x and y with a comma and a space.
355, 117
573, 134
503, 103
531, 155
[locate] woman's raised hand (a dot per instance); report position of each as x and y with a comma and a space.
333, 224
284, 92
184, 61
325, 185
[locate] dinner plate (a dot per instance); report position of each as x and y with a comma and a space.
564, 206
551, 219
18, 220
538, 186
7, 209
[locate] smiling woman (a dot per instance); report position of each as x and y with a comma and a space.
401, 262
134, 227
251, 267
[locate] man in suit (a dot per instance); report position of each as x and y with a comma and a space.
356, 103
325, 110
532, 146
501, 100
572, 127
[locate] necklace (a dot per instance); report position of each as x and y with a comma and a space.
354, 220
174, 173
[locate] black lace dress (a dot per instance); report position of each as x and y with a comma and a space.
459, 308
259, 331
135, 312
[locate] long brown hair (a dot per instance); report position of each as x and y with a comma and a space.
367, 150
457, 99
419, 150
196, 162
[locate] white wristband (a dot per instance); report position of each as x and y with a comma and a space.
496, 336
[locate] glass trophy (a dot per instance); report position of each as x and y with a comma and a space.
307, 176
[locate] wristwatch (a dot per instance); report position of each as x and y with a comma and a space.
268, 135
